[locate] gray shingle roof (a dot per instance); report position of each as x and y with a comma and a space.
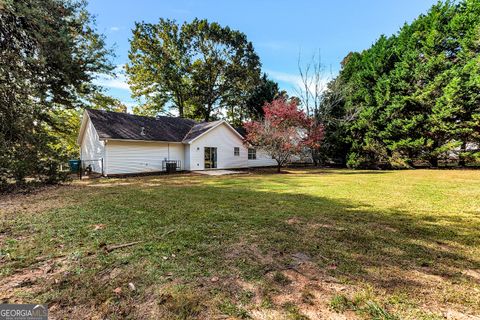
116, 125
241, 131
200, 128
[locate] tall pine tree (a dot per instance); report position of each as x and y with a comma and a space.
413, 98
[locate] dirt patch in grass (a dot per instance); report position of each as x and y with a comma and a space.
292, 286
474, 274
455, 315
293, 220
249, 250
301, 291
32, 280
38, 200
311, 289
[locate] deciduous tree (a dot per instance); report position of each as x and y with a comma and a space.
199, 68
49, 55
285, 131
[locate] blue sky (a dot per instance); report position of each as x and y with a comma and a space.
279, 30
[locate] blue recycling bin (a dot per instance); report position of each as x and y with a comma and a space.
74, 165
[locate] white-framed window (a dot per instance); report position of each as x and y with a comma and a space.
252, 154
236, 151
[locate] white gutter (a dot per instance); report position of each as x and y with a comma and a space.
134, 140
221, 122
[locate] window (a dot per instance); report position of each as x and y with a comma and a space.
236, 151
252, 154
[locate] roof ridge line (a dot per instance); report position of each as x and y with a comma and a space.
196, 123
120, 125
183, 139
206, 122
140, 116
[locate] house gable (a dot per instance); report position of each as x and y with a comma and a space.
207, 127
225, 139
83, 126
92, 149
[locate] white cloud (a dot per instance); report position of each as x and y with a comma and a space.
117, 82
114, 29
295, 81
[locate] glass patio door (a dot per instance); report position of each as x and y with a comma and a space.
210, 159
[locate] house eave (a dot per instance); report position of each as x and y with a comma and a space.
136, 140
215, 126
83, 127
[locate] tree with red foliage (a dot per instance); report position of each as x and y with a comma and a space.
284, 132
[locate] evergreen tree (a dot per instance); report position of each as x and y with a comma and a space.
49, 55
412, 97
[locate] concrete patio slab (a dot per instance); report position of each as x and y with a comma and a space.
218, 172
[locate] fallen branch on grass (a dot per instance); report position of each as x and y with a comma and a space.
45, 258
59, 256
119, 246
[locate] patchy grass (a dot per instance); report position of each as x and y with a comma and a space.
371, 309
340, 303
310, 244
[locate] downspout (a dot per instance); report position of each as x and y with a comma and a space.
104, 159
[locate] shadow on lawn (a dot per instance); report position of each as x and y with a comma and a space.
316, 171
353, 241
354, 237
345, 172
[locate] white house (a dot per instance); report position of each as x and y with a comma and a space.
115, 143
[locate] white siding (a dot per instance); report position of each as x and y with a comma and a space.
92, 150
187, 156
224, 139
263, 160
139, 157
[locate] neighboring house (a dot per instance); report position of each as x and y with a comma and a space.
119, 143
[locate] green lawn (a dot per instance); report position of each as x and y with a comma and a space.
309, 244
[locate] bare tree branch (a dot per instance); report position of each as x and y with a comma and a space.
314, 83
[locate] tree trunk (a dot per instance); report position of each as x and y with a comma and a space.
279, 168
461, 156
433, 158
207, 112
314, 157
180, 107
